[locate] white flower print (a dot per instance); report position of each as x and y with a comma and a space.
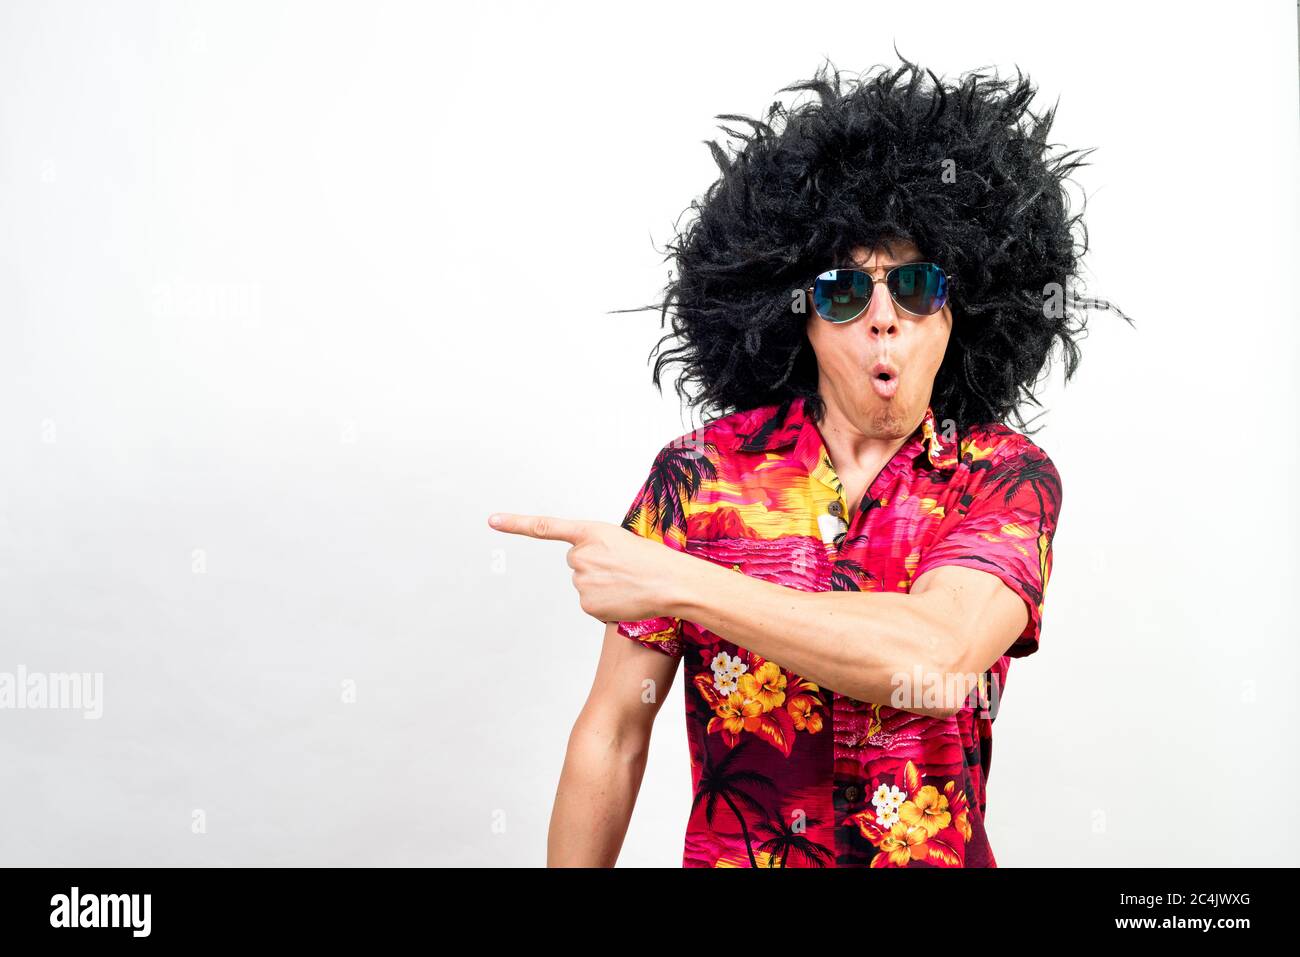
888, 798
727, 671
725, 684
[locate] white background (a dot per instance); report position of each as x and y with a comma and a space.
257, 324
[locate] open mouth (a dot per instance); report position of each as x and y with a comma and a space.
884, 380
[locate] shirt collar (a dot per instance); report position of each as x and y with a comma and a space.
772, 428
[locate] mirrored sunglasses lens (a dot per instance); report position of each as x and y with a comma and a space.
920, 288
842, 294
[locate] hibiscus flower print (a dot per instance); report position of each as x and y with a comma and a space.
914, 822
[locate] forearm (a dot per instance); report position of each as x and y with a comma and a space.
856, 643
597, 791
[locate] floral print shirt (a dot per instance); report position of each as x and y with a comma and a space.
789, 774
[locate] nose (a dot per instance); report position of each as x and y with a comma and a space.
881, 318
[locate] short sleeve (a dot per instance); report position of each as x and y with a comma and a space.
658, 512
1005, 528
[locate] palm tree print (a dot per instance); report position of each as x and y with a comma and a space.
787, 842
718, 782
1038, 473
848, 575
675, 478
770, 425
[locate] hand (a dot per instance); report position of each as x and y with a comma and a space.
620, 576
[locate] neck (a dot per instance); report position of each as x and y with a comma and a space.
864, 438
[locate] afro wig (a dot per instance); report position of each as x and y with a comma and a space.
962, 170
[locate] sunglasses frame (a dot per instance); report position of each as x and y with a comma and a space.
949, 282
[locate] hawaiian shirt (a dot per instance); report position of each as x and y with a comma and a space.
789, 774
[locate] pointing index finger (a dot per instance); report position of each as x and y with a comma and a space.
539, 526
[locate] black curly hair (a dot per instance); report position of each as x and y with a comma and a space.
863, 165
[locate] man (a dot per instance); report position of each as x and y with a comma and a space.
856, 543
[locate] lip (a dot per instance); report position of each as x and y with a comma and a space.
884, 389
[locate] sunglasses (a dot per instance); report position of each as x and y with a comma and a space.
841, 295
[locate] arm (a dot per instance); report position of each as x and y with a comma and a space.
607, 754
951, 627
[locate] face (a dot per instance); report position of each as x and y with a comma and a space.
886, 402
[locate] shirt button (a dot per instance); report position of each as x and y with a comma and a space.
835, 508
851, 793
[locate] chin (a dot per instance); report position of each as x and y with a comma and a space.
886, 418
